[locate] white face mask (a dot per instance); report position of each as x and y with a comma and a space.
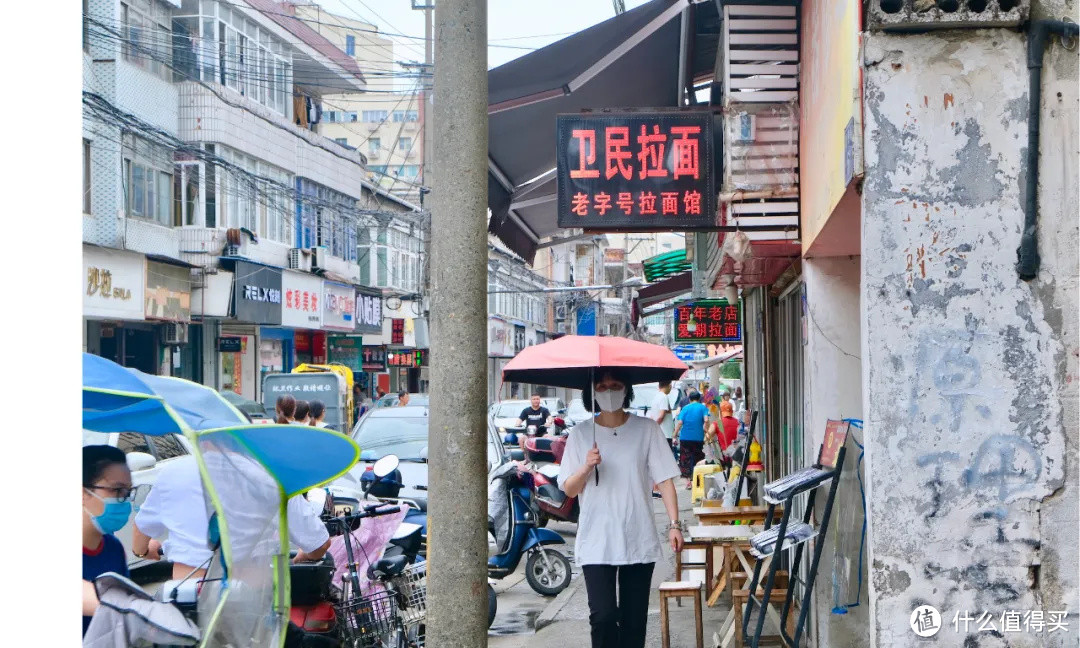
610, 400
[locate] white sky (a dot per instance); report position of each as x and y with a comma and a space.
529, 23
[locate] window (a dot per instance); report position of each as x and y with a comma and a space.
222, 46
350, 116
328, 219
405, 144
146, 30
167, 446
409, 171
133, 442
375, 116
374, 145
86, 25
406, 116
148, 180
344, 141
86, 176
350, 45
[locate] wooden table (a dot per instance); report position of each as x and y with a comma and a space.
713, 515
732, 540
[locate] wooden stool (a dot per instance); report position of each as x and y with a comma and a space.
681, 566
740, 598
676, 590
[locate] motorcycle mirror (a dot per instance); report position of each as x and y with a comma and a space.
385, 466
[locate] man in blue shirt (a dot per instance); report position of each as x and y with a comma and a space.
690, 433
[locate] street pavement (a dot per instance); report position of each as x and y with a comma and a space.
564, 620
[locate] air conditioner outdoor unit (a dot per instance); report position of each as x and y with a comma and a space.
560, 313
174, 333
300, 259
319, 255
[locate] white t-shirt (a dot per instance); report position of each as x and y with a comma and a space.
659, 404
176, 505
616, 525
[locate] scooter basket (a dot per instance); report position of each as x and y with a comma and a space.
412, 586
368, 617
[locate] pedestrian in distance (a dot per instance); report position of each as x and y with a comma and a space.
285, 408
318, 413
106, 502
690, 433
617, 544
403, 398
303, 413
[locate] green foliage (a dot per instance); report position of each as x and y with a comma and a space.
731, 369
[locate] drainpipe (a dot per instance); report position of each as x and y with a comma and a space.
1039, 31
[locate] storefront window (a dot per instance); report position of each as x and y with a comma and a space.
271, 358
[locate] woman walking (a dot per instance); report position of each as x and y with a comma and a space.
617, 543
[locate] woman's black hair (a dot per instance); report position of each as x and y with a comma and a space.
317, 409
303, 409
586, 394
96, 458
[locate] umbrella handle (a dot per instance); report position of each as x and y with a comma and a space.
596, 469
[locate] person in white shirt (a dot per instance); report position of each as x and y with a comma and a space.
611, 463
660, 410
176, 505
317, 414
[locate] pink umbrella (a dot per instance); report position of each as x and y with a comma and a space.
572, 360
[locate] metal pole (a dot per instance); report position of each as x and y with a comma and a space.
457, 511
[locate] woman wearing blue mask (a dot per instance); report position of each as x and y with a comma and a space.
106, 500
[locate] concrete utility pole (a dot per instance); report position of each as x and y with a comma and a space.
457, 510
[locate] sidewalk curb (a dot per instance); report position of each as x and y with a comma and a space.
547, 617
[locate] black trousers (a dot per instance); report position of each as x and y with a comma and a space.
618, 624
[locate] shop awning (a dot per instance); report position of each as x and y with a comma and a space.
665, 265
629, 61
715, 360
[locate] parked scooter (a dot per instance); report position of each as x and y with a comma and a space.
512, 520
544, 455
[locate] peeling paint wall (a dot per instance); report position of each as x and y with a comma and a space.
970, 373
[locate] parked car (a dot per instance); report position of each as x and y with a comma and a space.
145, 457
555, 405
254, 411
390, 400
504, 416
403, 432
576, 413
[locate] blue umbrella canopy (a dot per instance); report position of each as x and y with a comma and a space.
119, 399
297, 457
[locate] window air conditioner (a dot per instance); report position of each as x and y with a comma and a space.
300, 259
560, 313
174, 333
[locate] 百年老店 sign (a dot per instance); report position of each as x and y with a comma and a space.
712, 320
636, 171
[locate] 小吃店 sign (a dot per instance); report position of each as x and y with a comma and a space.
114, 284
257, 293
397, 331
230, 344
636, 171
407, 358
339, 312
303, 303
373, 358
368, 311
707, 320
168, 292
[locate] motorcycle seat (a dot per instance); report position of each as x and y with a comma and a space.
392, 566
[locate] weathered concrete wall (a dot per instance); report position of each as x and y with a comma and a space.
833, 378
971, 428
